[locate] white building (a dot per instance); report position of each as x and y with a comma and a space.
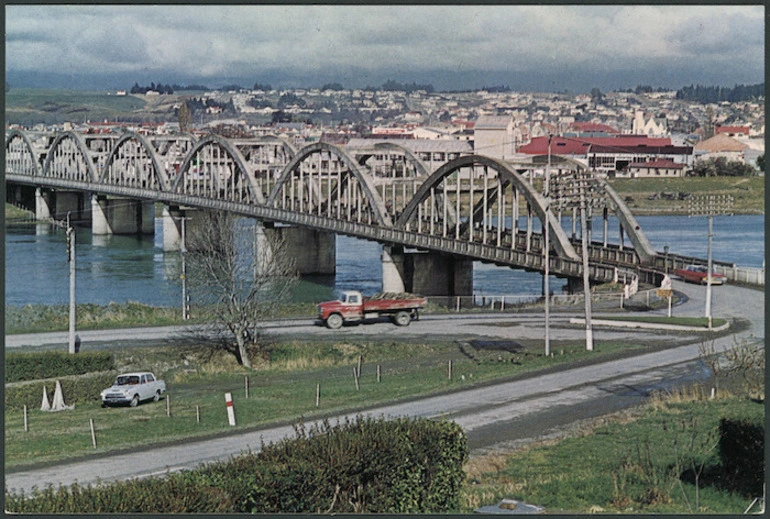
493, 136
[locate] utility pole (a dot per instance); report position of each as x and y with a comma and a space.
185, 305
710, 205
547, 232
586, 282
71, 260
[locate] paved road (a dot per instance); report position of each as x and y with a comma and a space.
491, 415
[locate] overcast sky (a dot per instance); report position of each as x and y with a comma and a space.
526, 47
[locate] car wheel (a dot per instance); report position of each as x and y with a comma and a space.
334, 321
156, 396
134, 401
402, 318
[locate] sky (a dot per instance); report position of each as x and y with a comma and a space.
528, 48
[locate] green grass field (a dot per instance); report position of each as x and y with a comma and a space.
29, 106
749, 193
635, 463
282, 391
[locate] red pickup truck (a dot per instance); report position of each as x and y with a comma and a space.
354, 307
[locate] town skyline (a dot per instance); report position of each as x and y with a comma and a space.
549, 49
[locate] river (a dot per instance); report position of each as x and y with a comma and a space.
130, 268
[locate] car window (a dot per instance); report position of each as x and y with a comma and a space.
353, 299
150, 378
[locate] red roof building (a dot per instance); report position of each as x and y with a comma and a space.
660, 168
733, 131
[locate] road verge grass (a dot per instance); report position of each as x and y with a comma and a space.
637, 461
278, 393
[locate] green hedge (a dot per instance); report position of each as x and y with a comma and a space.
370, 465
78, 388
742, 455
50, 364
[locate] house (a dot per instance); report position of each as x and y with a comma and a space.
661, 168
732, 131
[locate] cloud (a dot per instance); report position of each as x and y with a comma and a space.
235, 40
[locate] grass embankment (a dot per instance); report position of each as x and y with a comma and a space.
635, 462
282, 391
748, 192
28, 106
695, 322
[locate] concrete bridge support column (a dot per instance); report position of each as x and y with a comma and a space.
172, 228
43, 204
314, 252
71, 202
393, 269
438, 275
121, 216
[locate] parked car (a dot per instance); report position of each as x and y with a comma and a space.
699, 274
132, 388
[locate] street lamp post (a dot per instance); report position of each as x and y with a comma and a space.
71, 259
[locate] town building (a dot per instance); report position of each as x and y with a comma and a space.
493, 136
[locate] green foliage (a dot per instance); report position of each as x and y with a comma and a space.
715, 94
81, 388
49, 364
741, 451
370, 465
721, 167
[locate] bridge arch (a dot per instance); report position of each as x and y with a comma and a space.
421, 169
492, 200
134, 162
20, 157
345, 193
68, 158
215, 168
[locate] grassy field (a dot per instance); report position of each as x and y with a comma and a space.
30, 106
283, 390
635, 462
749, 193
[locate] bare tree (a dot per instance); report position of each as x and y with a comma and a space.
185, 118
236, 285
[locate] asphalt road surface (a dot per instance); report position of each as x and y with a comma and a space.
492, 416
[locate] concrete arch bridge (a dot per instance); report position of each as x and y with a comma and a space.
432, 224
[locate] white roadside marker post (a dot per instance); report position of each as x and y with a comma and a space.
230, 409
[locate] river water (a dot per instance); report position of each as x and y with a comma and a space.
129, 268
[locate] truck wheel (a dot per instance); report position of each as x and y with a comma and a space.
156, 396
134, 401
402, 318
334, 321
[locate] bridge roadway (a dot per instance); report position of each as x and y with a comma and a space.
495, 416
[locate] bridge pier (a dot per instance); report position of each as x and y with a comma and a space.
43, 204
425, 273
121, 216
314, 252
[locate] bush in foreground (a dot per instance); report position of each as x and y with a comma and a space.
370, 465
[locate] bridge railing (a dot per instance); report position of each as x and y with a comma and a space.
748, 275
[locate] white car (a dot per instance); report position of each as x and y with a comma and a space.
132, 388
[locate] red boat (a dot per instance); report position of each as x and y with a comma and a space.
699, 274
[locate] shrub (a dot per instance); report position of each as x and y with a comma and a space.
398, 466
75, 389
49, 364
742, 454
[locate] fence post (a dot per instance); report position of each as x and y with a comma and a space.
168, 405
26, 424
450, 370
379, 373
317, 395
197, 414
246, 384
502, 303
355, 377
